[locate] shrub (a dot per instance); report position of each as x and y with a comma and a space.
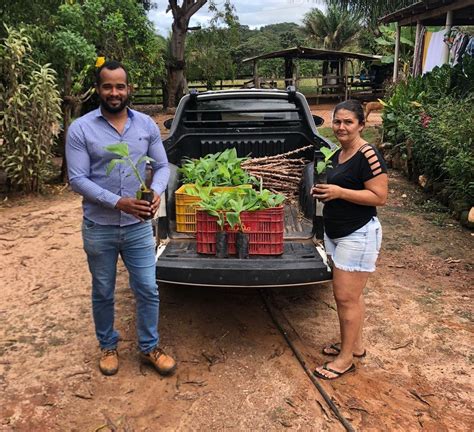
29, 113
428, 120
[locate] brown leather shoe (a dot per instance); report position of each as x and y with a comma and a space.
109, 362
162, 362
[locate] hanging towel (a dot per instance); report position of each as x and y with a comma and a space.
470, 47
434, 53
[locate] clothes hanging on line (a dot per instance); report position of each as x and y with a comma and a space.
457, 42
470, 47
433, 52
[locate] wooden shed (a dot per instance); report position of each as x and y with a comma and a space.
340, 85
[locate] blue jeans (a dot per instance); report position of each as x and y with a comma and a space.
135, 244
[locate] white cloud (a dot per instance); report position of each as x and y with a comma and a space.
250, 12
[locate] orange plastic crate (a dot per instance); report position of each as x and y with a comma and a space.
186, 206
265, 229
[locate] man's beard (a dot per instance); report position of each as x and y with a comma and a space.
114, 109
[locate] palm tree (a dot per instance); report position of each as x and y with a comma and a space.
334, 29
372, 10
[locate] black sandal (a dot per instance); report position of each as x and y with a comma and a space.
338, 350
338, 374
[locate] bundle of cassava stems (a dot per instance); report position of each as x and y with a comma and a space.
280, 173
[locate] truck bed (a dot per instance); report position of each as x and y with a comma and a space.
302, 262
256, 123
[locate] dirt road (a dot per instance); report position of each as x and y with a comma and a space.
235, 371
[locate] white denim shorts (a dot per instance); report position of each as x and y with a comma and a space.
357, 251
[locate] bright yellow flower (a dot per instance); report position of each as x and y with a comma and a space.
99, 62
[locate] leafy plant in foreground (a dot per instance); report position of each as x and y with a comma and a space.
325, 163
121, 149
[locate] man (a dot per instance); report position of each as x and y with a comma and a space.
114, 222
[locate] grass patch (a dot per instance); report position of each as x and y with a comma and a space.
432, 206
370, 134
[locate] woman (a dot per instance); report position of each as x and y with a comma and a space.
357, 184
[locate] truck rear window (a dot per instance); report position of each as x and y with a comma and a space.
242, 112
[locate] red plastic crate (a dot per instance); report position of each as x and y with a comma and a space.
265, 229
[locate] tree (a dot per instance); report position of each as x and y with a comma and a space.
334, 29
175, 79
372, 10
73, 33
386, 45
209, 50
36, 12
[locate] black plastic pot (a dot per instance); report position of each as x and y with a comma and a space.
318, 221
319, 178
221, 244
147, 196
242, 245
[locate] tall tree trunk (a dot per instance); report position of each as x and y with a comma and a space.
175, 66
175, 80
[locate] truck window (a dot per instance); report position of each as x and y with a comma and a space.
242, 112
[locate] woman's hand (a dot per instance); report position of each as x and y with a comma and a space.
326, 192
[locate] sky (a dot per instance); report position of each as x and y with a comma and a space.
253, 13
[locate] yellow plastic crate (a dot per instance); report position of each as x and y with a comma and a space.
186, 206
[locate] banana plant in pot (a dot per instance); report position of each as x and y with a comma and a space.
322, 161
121, 149
248, 200
215, 205
237, 206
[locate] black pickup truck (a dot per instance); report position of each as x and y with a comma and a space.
257, 123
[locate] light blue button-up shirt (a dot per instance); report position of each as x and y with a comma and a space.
87, 163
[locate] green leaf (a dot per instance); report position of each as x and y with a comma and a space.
233, 219
406, 41
145, 159
120, 149
111, 165
320, 167
387, 59
384, 42
327, 152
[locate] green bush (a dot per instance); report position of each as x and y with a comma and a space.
428, 121
29, 113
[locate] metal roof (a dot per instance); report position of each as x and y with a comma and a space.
312, 54
433, 13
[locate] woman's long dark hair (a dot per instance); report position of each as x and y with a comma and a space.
352, 106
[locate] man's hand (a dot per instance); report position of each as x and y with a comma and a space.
138, 208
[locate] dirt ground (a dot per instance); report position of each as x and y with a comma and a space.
235, 371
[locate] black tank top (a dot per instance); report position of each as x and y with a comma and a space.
341, 217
